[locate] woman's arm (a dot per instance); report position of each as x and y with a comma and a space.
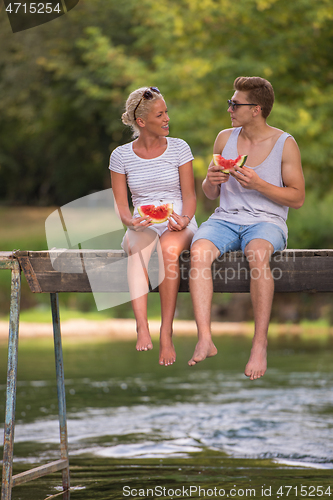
187, 186
119, 187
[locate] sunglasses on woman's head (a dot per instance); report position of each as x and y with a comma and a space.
148, 95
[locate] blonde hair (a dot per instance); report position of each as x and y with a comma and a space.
141, 111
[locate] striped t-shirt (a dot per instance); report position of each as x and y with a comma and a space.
153, 179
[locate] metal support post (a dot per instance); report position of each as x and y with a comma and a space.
7, 470
60, 388
7, 261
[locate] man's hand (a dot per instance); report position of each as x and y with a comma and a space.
215, 176
212, 183
246, 177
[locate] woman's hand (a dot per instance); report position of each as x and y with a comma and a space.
140, 223
178, 222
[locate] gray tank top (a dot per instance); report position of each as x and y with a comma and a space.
246, 206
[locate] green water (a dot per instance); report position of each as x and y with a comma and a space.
138, 430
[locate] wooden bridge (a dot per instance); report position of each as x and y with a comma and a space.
59, 271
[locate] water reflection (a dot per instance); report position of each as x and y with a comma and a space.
210, 411
122, 405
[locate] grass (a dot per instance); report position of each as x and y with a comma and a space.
23, 228
41, 314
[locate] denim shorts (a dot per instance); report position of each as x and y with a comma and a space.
231, 237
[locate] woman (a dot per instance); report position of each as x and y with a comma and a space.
157, 170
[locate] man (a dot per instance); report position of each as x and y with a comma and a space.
252, 215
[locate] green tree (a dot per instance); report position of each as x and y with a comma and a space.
64, 84
60, 113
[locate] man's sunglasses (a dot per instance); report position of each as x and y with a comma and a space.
234, 104
148, 95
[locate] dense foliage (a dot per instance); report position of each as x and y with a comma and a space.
63, 85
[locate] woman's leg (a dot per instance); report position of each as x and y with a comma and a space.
139, 246
172, 244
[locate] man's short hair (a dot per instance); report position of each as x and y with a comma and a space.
258, 90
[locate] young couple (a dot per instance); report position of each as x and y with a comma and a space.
251, 216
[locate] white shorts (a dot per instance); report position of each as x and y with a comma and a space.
163, 226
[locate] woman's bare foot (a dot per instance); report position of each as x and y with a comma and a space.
144, 342
167, 351
205, 348
257, 364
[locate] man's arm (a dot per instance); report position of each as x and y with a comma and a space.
212, 183
293, 192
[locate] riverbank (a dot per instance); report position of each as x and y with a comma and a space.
124, 329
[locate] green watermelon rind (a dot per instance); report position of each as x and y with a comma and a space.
146, 210
241, 161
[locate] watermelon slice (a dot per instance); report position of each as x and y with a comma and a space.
228, 165
157, 214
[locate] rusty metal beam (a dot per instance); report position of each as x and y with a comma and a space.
60, 387
9, 261
40, 471
7, 468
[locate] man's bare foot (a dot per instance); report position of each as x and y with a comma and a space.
257, 364
205, 348
167, 351
144, 342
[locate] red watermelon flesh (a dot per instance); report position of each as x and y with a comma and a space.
228, 165
157, 214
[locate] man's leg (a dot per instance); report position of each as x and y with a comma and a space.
203, 253
258, 253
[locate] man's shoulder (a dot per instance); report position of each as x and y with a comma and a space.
277, 133
288, 139
276, 130
222, 139
228, 131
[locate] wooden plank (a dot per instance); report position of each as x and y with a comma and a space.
30, 275
293, 271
